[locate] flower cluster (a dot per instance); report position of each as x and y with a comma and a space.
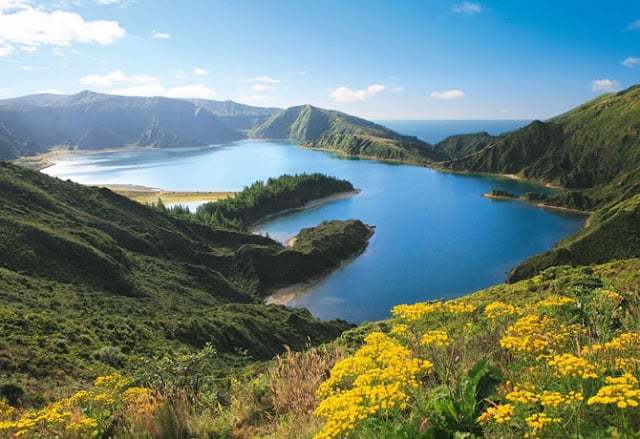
83, 414
533, 334
553, 301
622, 392
568, 365
435, 338
538, 421
499, 310
378, 378
499, 414
417, 311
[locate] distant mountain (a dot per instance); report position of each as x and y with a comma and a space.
594, 148
464, 144
234, 115
340, 132
87, 120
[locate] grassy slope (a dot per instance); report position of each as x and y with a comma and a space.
268, 408
464, 144
613, 233
340, 132
90, 280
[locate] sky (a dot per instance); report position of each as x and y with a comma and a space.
422, 59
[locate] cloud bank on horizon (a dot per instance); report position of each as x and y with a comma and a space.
451, 59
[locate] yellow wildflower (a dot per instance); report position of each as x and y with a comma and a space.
400, 330
499, 310
554, 301
533, 334
522, 395
377, 378
499, 414
568, 365
435, 338
538, 421
622, 391
556, 399
419, 310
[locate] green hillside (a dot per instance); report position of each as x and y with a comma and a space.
463, 144
345, 134
594, 148
91, 281
613, 233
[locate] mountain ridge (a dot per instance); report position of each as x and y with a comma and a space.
342, 133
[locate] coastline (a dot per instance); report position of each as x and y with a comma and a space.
490, 196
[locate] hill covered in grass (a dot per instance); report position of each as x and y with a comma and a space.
594, 149
335, 131
91, 281
462, 145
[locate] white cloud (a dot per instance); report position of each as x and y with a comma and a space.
606, 85
151, 89
297, 73
345, 94
255, 99
160, 35
192, 91
198, 71
397, 89
5, 51
631, 62
467, 8
448, 94
178, 74
262, 80
635, 25
13, 5
116, 77
261, 87
28, 28
51, 91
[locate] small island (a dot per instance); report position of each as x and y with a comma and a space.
498, 194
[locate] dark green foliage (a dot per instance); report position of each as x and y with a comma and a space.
613, 233
262, 199
456, 411
90, 281
335, 131
463, 144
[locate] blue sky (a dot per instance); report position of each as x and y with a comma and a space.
428, 59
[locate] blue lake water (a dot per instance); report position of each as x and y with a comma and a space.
436, 236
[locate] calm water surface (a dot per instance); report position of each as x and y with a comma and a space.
436, 236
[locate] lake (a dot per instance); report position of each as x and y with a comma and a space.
436, 236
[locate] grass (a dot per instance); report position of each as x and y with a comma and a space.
92, 282
470, 372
